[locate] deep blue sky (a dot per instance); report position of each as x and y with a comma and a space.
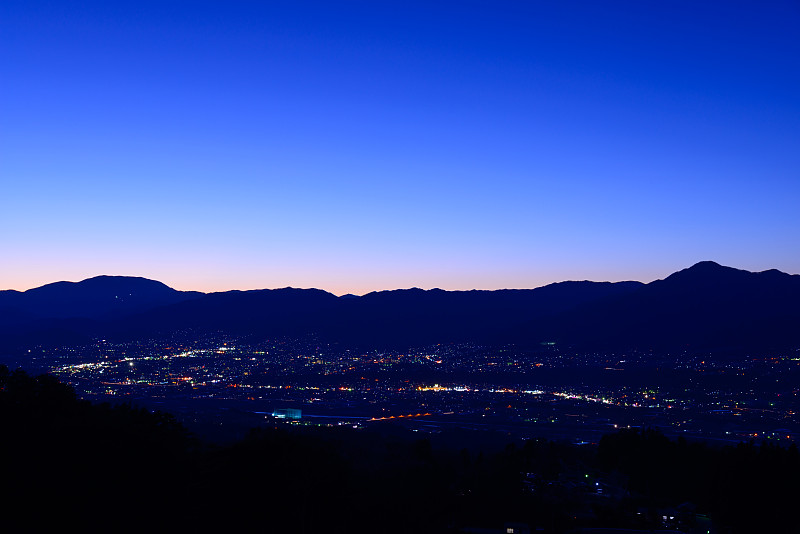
355, 146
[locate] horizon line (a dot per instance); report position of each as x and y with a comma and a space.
337, 294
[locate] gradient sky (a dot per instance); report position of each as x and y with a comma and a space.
355, 146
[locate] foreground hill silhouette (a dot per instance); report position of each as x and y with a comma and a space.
72, 465
704, 307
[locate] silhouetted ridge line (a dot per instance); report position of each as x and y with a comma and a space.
705, 307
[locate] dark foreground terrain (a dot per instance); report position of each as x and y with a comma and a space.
71, 463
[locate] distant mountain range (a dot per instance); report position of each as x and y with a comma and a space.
704, 307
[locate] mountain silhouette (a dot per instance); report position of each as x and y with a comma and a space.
96, 298
704, 307
707, 306
73, 312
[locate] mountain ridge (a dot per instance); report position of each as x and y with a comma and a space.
706, 306
97, 297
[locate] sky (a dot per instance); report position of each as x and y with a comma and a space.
358, 146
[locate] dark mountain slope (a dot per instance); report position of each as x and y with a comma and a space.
287, 311
706, 306
74, 312
100, 297
387, 318
416, 316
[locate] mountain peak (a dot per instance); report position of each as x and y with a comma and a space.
706, 265
706, 271
103, 283
99, 296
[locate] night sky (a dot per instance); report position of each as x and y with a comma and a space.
355, 146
